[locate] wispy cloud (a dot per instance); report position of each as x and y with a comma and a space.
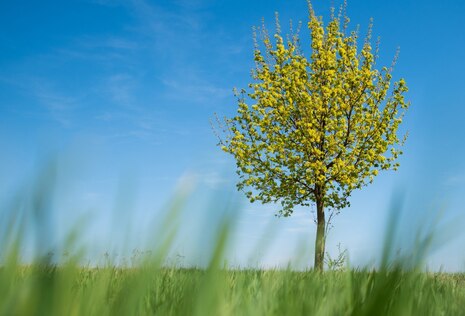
196, 91
164, 25
455, 179
212, 179
49, 98
157, 60
182, 39
120, 89
107, 42
58, 105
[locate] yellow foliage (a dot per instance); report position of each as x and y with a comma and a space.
324, 124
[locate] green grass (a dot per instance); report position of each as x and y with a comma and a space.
145, 290
149, 285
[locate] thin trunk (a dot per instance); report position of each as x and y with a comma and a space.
320, 233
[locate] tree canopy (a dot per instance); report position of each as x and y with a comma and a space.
312, 129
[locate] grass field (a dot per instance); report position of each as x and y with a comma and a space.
148, 284
148, 290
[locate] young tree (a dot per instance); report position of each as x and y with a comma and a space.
314, 129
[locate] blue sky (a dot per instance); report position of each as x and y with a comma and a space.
121, 92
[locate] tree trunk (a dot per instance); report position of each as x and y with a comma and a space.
320, 233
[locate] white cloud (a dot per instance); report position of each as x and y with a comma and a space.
59, 105
120, 88
212, 179
455, 179
195, 90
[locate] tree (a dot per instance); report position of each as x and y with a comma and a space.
311, 130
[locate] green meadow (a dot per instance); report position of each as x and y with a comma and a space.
151, 283
150, 287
